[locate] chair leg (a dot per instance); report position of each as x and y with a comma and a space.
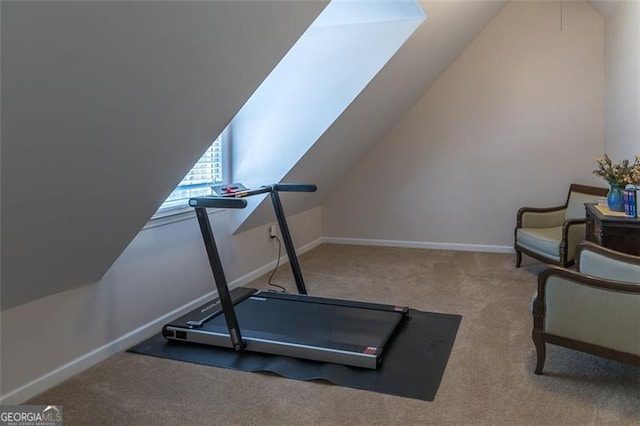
538, 341
518, 258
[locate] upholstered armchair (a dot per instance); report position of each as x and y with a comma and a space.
594, 309
551, 234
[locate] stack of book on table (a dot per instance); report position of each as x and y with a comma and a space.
630, 195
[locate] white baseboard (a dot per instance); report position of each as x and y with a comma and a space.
419, 244
70, 369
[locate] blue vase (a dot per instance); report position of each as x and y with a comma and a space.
615, 201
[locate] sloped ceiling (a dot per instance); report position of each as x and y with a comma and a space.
449, 28
313, 84
105, 106
604, 7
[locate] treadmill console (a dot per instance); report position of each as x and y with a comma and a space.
229, 189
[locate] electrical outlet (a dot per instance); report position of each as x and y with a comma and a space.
272, 231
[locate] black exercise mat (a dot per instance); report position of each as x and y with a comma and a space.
412, 366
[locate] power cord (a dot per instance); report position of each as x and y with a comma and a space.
282, 289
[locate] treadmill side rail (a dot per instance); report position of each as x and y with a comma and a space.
404, 310
211, 309
362, 359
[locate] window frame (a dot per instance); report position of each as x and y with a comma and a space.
181, 212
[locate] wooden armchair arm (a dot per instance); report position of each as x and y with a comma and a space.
536, 217
567, 224
582, 279
585, 246
573, 231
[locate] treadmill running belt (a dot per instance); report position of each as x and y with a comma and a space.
414, 364
315, 328
310, 323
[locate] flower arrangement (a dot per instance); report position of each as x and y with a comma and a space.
620, 174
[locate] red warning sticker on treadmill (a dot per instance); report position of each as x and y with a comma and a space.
370, 350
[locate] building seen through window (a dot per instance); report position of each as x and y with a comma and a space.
207, 171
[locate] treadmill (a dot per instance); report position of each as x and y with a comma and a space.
296, 325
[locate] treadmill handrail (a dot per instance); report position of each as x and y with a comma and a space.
295, 187
276, 187
235, 200
218, 202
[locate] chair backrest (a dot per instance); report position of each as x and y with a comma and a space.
580, 194
597, 262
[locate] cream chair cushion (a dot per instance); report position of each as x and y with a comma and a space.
543, 241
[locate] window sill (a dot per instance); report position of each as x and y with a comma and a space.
174, 215
169, 216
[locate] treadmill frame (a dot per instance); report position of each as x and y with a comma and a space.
368, 357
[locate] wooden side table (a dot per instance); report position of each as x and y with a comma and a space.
608, 229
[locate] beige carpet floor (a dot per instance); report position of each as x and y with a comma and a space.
489, 378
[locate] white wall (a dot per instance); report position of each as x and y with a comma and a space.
106, 105
164, 268
513, 121
622, 81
